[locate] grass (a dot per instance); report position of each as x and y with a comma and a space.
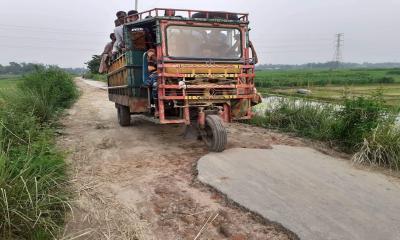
362, 126
9, 76
296, 78
332, 85
33, 191
381, 148
97, 77
7, 84
303, 118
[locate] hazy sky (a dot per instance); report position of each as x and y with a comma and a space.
68, 32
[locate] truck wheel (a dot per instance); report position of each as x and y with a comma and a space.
124, 115
214, 134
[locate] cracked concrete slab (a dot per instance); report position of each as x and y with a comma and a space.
314, 195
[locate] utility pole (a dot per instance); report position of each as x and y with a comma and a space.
136, 4
337, 58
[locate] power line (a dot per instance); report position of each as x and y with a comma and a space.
296, 46
294, 38
35, 47
55, 40
292, 51
50, 30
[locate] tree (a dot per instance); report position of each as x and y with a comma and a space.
14, 68
94, 64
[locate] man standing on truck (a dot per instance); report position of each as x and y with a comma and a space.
106, 55
119, 32
132, 16
169, 13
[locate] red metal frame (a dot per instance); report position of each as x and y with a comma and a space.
159, 12
246, 68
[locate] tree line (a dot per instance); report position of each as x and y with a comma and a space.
326, 65
24, 68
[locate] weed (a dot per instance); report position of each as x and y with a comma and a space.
33, 193
302, 117
344, 126
381, 148
93, 76
357, 118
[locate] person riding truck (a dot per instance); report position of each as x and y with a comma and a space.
151, 80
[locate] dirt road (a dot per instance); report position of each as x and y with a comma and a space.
140, 182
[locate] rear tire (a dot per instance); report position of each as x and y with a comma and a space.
214, 134
124, 115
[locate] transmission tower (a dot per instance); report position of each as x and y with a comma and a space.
337, 58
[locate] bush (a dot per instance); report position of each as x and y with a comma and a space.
33, 195
357, 118
394, 72
345, 126
302, 117
381, 148
42, 93
53, 87
97, 77
386, 80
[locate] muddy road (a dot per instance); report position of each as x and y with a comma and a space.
140, 182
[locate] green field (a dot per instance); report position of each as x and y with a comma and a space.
8, 84
8, 81
9, 76
332, 85
294, 78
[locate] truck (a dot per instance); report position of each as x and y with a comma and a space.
191, 67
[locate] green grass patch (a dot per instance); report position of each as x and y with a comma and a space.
8, 84
9, 76
33, 191
97, 77
309, 78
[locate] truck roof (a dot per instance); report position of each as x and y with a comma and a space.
192, 15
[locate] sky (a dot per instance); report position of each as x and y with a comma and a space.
68, 32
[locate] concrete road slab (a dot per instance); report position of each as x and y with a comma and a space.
314, 195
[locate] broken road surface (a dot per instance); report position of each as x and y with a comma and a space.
314, 195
